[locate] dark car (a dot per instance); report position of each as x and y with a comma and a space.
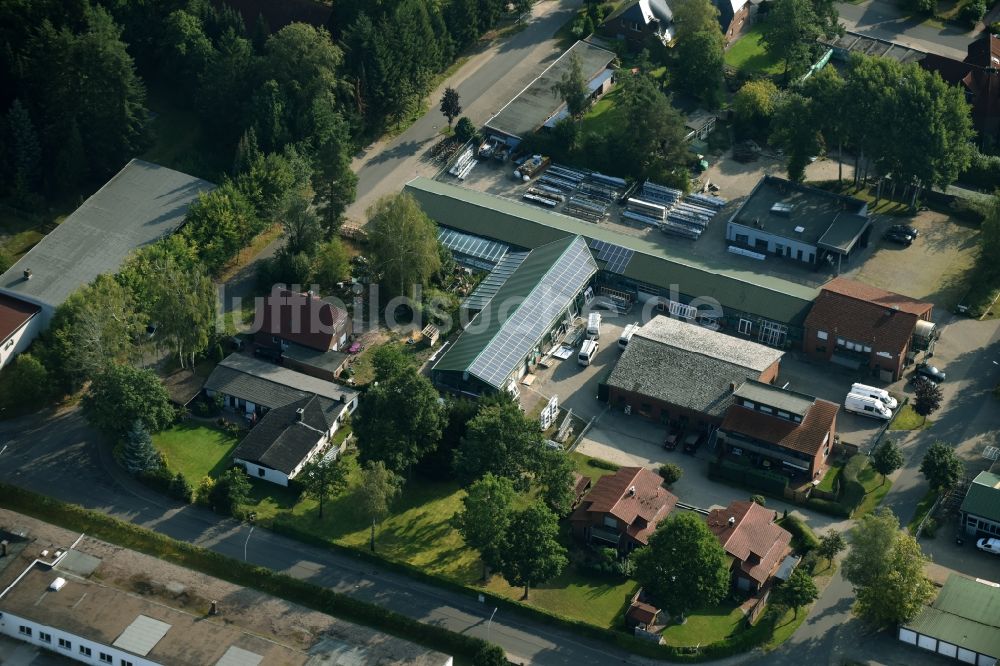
692, 441
674, 432
268, 354
904, 229
930, 372
898, 237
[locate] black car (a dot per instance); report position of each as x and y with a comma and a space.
898, 237
930, 372
904, 229
268, 354
674, 432
693, 441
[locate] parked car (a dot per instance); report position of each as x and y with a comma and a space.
904, 229
898, 237
693, 441
268, 354
989, 545
930, 372
674, 432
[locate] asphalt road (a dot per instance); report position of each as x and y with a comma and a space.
487, 81
882, 19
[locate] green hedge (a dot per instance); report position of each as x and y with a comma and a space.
128, 535
829, 507
770, 482
853, 491
803, 538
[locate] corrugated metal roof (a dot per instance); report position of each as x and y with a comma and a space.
142, 635
139, 205
515, 223
966, 613
983, 498
523, 309
270, 385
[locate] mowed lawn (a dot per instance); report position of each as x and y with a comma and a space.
419, 532
707, 625
196, 450
748, 55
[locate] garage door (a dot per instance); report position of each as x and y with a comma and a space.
947, 649
968, 656
908, 636
927, 643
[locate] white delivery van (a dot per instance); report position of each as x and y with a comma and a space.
877, 393
587, 352
867, 406
627, 335
594, 326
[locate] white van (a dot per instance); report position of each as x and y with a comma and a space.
867, 406
877, 393
627, 335
587, 352
594, 326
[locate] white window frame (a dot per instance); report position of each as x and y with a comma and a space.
106, 658
822, 335
65, 644
745, 327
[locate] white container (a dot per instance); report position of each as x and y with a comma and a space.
627, 335
587, 352
877, 393
594, 326
867, 406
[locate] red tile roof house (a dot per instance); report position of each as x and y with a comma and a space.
855, 325
623, 509
310, 331
793, 431
758, 546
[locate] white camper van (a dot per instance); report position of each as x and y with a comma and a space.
877, 393
627, 335
594, 326
587, 352
867, 406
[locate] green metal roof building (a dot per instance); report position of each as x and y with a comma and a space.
767, 309
962, 623
980, 511
506, 336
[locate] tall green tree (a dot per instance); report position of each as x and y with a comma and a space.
451, 106
794, 130
185, 50
825, 89
138, 455
122, 395
399, 421
699, 50
798, 591
374, 496
572, 88
218, 224
333, 182
487, 509
754, 106
502, 441
651, 134
942, 467
26, 151
331, 264
323, 478
553, 475
683, 567
927, 398
403, 244
303, 231
887, 458
830, 545
885, 566
792, 28
532, 554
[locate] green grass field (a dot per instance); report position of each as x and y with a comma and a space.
829, 482
706, 625
748, 55
603, 116
923, 508
582, 464
907, 419
195, 450
875, 490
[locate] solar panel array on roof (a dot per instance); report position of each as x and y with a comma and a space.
488, 288
529, 323
616, 256
142, 635
475, 247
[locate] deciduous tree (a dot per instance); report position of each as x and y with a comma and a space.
651, 136
303, 231
942, 468
887, 458
927, 398
451, 106
699, 50
331, 264
830, 545
379, 488
794, 129
488, 507
684, 567
754, 105
554, 477
122, 395
323, 478
532, 554
403, 244
572, 88
500, 440
798, 591
792, 28
230, 491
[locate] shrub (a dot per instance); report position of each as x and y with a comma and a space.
829, 507
758, 499
204, 490
974, 12
602, 464
179, 488
803, 538
769, 482
671, 473
490, 654
930, 528
465, 130
983, 171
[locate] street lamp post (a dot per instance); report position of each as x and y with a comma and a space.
252, 517
489, 625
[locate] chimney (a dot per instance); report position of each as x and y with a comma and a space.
3, 548
732, 387
732, 521
631, 491
27, 273
299, 413
214, 608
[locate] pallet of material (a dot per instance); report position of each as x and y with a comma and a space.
568, 174
707, 200
611, 181
707, 213
646, 208
556, 181
659, 194
540, 200
545, 188
599, 192
644, 219
538, 191
680, 230
686, 221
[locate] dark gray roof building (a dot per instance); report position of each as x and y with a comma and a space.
269, 385
286, 435
688, 366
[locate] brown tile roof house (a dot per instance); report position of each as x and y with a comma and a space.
14, 315
979, 75
747, 531
855, 324
623, 508
802, 426
303, 319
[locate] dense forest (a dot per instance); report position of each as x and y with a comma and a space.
75, 75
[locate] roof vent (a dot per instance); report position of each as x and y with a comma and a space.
782, 209
631, 491
27, 273
732, 387
799, 230
732, 521
57, 584
299, 413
